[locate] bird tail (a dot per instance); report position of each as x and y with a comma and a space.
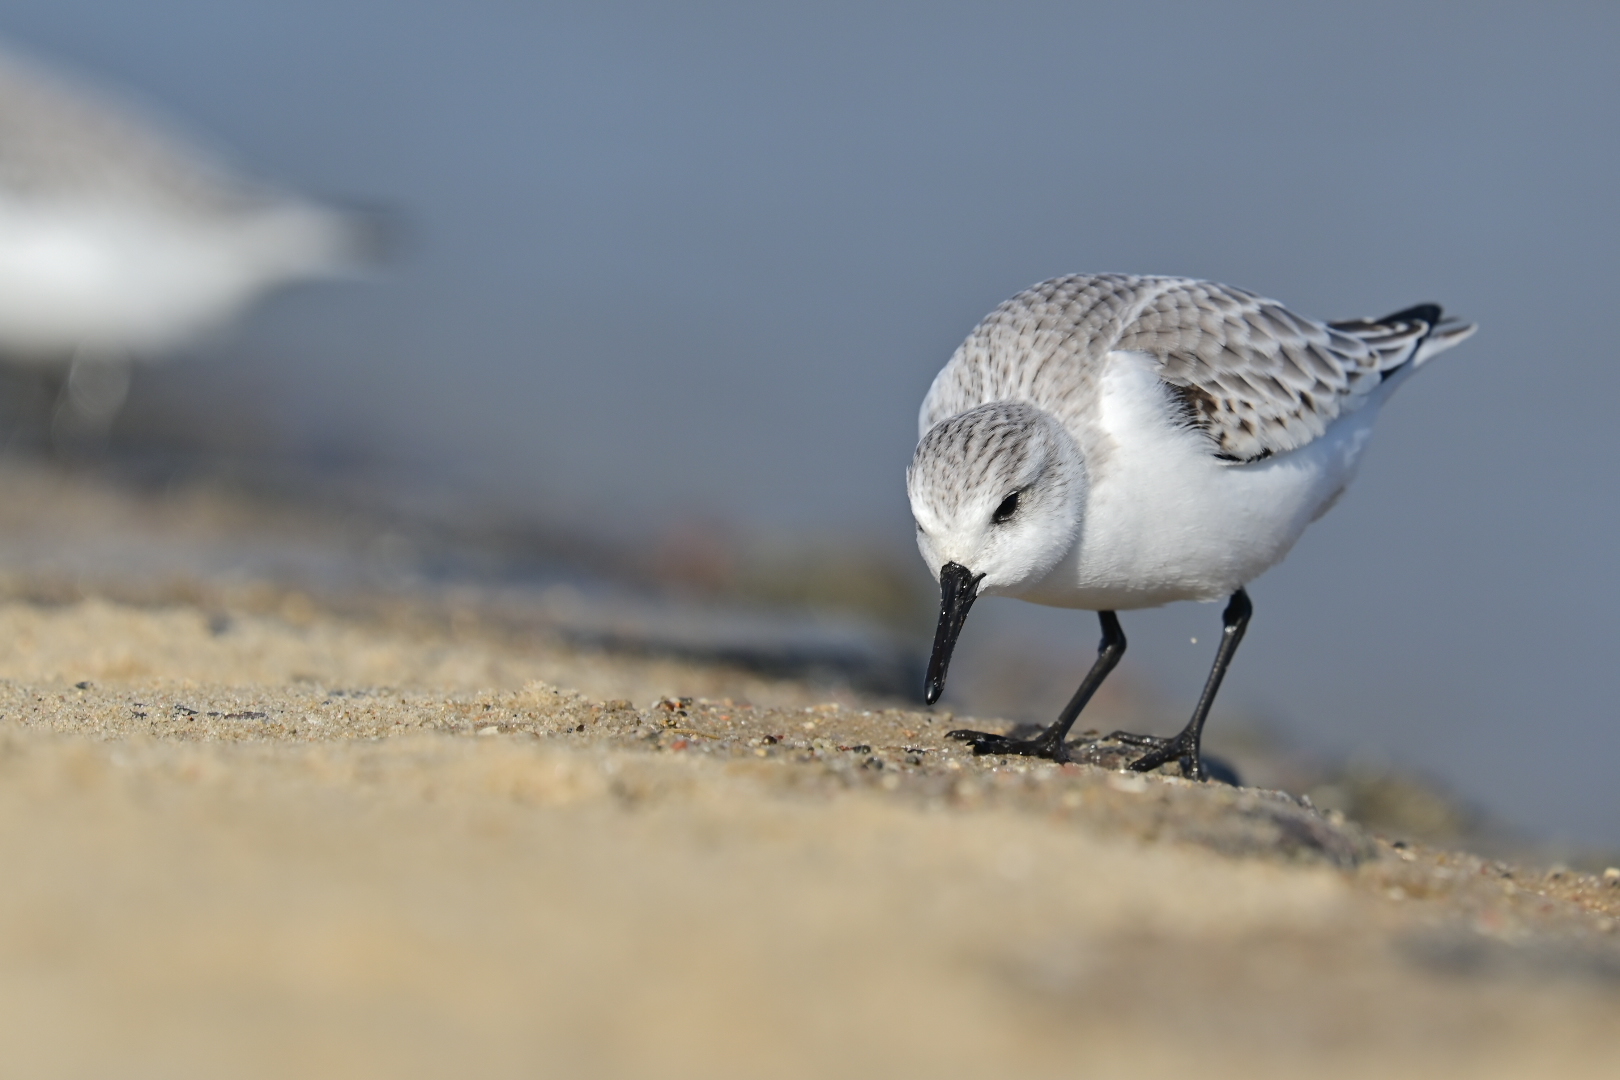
369, 236
1423, 329
1442, 336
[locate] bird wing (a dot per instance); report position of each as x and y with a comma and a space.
1258, 379
1254, 377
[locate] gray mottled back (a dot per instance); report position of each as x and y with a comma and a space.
61, 139
1258, 379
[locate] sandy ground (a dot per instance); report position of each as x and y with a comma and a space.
246, 833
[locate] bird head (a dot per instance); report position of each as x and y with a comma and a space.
997, 494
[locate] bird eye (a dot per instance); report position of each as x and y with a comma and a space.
1004, 512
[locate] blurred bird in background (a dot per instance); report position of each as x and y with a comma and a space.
123, 241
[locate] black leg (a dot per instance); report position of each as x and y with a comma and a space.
1049, 743
1185, 747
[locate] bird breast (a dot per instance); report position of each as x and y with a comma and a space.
1166, 520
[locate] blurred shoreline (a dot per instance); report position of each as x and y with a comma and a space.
284, 776
158, 528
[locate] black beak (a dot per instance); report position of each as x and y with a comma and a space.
957, 590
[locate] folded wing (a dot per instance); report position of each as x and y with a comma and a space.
1260, 380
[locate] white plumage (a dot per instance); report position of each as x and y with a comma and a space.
1111, 442
1200, 452
119, 237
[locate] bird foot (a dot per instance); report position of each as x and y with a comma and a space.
983, 742
1182, 749
1095, 750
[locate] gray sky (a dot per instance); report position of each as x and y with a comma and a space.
679, 259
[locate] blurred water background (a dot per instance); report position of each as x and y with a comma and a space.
675, 279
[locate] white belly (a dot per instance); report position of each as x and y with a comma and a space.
122, 275
1166, 521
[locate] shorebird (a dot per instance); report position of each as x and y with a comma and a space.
1111, 442
122, 240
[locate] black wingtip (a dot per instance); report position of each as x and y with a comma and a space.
1429, 313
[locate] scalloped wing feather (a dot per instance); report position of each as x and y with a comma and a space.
1256, 378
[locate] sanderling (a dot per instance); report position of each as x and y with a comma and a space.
1112, 442
121, 240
